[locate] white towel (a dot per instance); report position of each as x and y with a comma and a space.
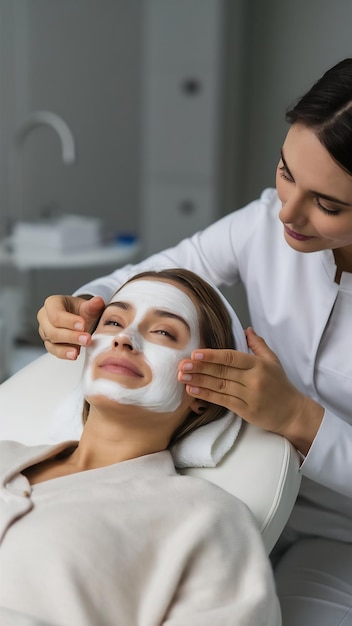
207, 445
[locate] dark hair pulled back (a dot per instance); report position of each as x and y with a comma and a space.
327, 109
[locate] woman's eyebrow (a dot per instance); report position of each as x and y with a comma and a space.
314, 193
125, 306
120, 305
169, 314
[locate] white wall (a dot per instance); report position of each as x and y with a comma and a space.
290, 43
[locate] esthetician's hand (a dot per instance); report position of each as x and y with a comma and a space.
255, 387
65, 323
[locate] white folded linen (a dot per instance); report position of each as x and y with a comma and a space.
207, 445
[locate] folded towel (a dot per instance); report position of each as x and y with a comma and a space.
207, 445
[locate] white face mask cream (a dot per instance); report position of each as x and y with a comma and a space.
164, 392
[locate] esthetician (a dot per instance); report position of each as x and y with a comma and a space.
292, 250
103, 531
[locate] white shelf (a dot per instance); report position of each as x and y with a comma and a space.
35, 259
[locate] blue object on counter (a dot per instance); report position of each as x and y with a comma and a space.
125, 239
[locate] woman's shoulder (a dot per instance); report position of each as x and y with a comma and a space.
266, 205
16, 455
269, 196
12, 451
211, 496
214, 511
256, 223
243, 222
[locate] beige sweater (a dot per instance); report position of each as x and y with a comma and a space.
132, 544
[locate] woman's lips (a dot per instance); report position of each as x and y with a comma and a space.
297, 236
117, 365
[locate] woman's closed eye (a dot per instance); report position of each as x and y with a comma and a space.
325, 209
285, 174
112, 322
165, 333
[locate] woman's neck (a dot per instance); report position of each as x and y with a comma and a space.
98, 447
95, 449
106, 441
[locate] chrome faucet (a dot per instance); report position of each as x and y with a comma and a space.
35, 119
46, 118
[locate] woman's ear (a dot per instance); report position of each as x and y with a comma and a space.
198, 406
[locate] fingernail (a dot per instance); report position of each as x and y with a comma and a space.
187, 367
198, 356
71, 355
186, 378
82, 340
194, 390
78, 326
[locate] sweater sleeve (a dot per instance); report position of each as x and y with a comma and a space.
329, 460
228, 579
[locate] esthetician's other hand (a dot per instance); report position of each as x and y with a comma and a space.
65, 323
254, 386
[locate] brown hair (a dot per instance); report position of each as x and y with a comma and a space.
327, 109
215, 327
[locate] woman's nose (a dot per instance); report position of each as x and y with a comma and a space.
294, 210
127, 340
122, 342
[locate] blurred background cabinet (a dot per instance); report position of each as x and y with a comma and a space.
181, 118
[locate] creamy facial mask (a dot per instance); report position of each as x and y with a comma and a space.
164, 392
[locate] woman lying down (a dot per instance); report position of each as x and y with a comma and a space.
104, 531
